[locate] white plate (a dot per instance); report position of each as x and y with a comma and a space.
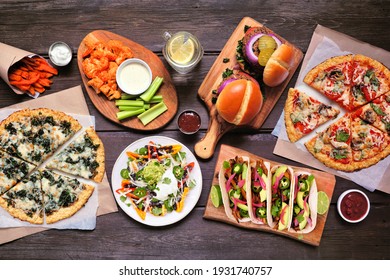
172, 217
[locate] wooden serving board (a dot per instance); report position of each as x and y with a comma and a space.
107, 107
325, 182
218, 126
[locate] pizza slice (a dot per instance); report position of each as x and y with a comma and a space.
332, 147
333, 78
34, 135
24, 201
303, 114
12, 170
377, 113
83, 157
369, 144
370, 80
63, 196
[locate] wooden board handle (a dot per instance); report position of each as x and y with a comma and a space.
217, 128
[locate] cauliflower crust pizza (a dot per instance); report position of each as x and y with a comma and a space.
29, 191
360, 138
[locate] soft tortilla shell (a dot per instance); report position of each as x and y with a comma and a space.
225, 195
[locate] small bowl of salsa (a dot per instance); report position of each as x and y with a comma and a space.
353, 206
189, 122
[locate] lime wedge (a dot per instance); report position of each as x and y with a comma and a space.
182, 50
216, 196
323, 203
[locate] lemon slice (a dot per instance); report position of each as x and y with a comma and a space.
323, 203
216, 196
181, 51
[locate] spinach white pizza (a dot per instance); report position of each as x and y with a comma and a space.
12, 170
84, 157
28, 190
24, 201
34, 135
63, 196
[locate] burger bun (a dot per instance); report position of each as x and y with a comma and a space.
278, 66
240, 101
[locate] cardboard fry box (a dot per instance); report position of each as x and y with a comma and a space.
10, 55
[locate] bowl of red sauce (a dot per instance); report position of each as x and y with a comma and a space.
189, 122
353, 206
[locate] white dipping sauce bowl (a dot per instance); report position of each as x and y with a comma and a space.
134, 76
60, 53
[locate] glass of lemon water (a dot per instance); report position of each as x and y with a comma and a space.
182, 50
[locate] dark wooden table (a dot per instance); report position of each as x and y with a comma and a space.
34, 25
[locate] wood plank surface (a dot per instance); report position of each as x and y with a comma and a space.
34, 25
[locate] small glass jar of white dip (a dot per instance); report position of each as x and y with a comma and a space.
60, 54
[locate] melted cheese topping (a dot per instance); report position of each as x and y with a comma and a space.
79, 158
12, 170
26, 195
34, 139
59, 191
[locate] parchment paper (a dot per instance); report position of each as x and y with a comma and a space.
70, 101
324, 44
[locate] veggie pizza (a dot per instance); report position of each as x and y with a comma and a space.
360, 138
30, 191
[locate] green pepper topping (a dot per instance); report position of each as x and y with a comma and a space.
143, 151
284, 183
256, 189
140, 192
261, 212
244, 213
237, 168
125, 173
178, 172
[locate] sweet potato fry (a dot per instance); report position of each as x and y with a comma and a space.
14, 77
32, 75
47, 68
45, 82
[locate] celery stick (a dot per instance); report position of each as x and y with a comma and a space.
125, 96
134, 103
152, 113
132, 108
151, 91
127, 114
156, 99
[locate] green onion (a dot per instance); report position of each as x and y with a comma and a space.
134, 103
151, 91
152, 113
127, 114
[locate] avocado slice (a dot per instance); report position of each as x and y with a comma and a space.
244, 171
280, 170
263, 195
300, 199
283, 221
242, 206
303, 224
